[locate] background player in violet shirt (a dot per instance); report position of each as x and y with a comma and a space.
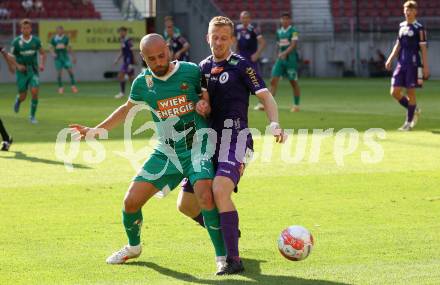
412, 66
178, 45
250, 41
128, 61
229, 79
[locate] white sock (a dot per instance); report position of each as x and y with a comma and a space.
135, 248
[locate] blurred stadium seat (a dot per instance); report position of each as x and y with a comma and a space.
260, 9
58, 9
382, 15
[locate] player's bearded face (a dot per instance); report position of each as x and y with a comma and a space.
158, 60
220, 40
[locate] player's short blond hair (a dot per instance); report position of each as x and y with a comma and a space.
25, 22
410, 4
219, 21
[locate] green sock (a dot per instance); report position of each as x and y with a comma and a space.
72, 79
60, 81
34, 104
133, 224
212, 224
296, 100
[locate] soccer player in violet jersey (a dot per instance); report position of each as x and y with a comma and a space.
250, 41
171, 90
178, 45
412, 66
229, 79
128, 61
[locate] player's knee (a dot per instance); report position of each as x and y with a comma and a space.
395, 93
206, 200
182, 206
220, 196
130, 205
186, 209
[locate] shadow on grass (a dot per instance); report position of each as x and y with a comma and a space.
22, 156
253, 271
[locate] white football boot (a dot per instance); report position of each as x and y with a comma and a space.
124, 254
406, 127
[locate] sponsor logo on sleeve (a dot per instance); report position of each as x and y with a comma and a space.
253, 77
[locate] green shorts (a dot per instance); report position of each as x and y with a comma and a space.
26, 80
63, 63
285, 68
165, 176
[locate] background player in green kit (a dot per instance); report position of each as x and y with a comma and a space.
171, 91
60, 50
25, 49
287, 62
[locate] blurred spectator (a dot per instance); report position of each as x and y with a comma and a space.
27, 5
168, 20
39, 6
376, 65
86, 2
4, 12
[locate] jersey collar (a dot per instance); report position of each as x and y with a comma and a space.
167, 76
57, 37
226, 59
283, 30
26, 41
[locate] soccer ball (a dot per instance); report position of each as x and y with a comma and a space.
295, 243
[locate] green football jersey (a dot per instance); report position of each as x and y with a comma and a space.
60, 44
172, 96
285, 38
26, 52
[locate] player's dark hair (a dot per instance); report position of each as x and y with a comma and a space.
25, 22
285, 14
123, 29
410, 4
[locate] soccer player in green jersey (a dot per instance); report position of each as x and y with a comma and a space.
25, 49
171, 90
60, 50
286, 64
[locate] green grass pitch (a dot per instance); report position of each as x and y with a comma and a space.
374, 223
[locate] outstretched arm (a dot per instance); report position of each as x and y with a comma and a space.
271, 108
112, 121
